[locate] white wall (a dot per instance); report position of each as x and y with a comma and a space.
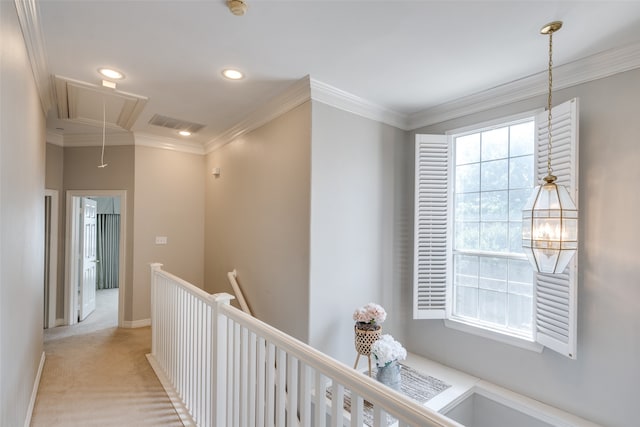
22, 154
359, 226
169, 202
602, 384
257, 219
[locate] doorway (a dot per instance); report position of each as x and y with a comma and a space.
82, 264
50, 258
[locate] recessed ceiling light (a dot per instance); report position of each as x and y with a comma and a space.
111, 73
232, 74
185, 133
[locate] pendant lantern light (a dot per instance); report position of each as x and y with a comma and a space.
549, 217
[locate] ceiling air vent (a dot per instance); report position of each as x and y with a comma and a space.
175, 124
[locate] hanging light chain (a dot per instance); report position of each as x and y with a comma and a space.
104, 131
104, 127
549, 170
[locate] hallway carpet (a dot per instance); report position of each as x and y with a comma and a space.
99, 376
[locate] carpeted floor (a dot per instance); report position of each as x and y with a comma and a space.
96, 374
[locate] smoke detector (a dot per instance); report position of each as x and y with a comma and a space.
237, 7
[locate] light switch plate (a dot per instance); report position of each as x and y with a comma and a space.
161, 240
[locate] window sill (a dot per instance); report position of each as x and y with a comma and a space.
496, 336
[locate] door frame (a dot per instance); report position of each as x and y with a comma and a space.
71, 258
53, 259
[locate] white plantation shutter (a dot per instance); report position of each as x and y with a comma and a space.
430, 238
556, 295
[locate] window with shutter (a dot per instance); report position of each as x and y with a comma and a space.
430, 235
469, 268
556, 295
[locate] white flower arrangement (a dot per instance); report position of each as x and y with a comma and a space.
370, 313
386, 350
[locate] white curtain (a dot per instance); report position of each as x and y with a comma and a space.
108, 251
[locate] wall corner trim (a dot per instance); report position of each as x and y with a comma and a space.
34, 393
32, 33
293, 96
55, 138
597, 66
299, 92
148, 140
95, 139
594, 67
346, 101
141, 323
174, 397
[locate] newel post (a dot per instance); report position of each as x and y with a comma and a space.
155, 268
219, 360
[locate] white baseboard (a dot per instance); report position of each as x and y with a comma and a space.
60, 322
34, 393
136, 323
178, 404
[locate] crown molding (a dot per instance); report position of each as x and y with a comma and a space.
55, 138
346, 101
298, 93
293, 96
153, 141
594, 67
95, 139
124, 138
601, 65
29, 19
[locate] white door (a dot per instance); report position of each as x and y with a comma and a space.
88, 229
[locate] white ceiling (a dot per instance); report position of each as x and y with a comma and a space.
406, 56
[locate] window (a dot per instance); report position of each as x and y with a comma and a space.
469, 266
493, 175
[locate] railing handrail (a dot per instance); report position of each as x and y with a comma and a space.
391, 401
192, 289
363, 385
232, 276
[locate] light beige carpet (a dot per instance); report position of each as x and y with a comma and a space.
99, 376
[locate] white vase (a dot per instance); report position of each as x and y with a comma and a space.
389, 375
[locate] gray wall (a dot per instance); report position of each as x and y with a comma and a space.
602, 384
311, 209
165, 196
257, 219
22, 161
359, 226
81, 173
169, 202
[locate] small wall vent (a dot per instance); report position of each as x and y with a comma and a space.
171, 123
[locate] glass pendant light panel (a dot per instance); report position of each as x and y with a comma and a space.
544, 259
550, 228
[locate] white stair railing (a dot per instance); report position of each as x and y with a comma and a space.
232, 276
218, 363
